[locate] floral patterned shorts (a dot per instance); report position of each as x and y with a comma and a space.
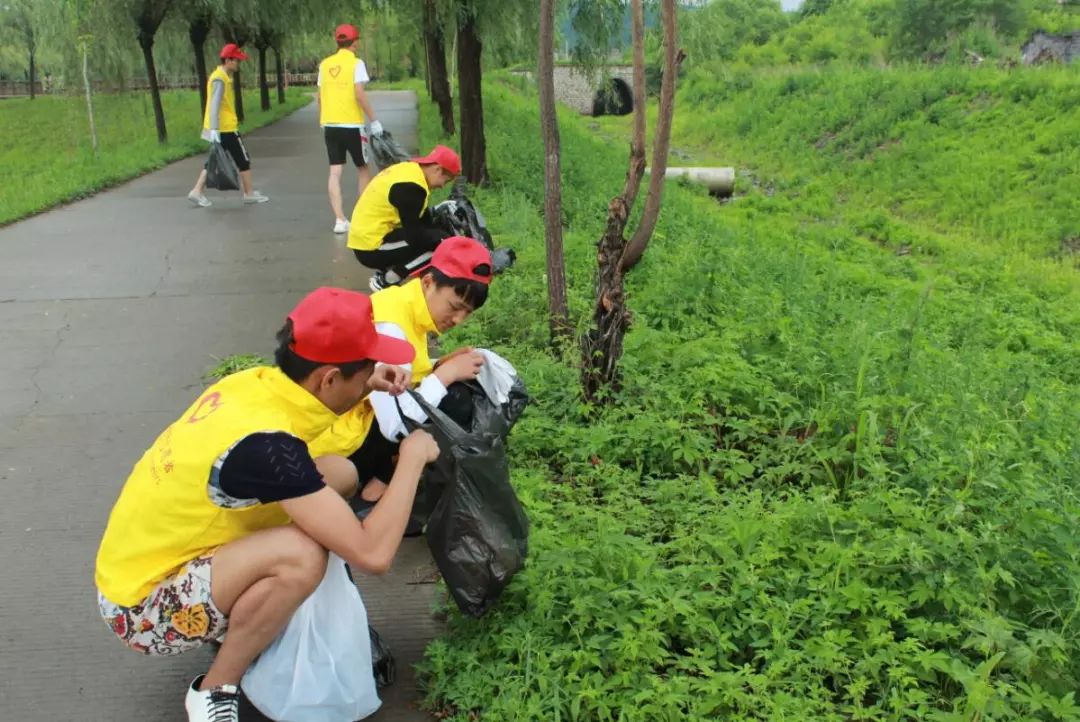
177, 616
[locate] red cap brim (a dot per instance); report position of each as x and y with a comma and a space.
390, 350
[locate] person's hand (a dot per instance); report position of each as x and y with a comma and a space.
391, 379
375, 128
462, 365
215, 136
419, 445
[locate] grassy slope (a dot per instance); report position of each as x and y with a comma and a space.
47, 157
836, 484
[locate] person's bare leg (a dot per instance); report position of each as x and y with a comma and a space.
339, 474
200, 185
245, 181
258, 582
333, 186
363, 176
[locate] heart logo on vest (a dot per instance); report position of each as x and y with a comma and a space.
334, 71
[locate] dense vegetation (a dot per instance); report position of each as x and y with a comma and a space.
838, 481
34, 180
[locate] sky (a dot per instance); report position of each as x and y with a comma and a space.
791, 4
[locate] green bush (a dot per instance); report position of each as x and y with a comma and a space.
837, 480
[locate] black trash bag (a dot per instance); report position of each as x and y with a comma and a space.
221, 171
478, 532
458, 216
385, 151
382, 660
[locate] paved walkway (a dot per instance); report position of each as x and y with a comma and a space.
111, 310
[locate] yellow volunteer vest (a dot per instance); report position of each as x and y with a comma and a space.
227, 115
164, 517
373, 216
337, 91
406, 307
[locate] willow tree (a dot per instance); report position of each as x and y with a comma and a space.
148, 15
602, 345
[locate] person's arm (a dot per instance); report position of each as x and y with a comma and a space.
217, 92
360, 77
409, 200
462, 365
368, 545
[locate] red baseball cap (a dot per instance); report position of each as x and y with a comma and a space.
442, 156
346, 32
232, 50
334, 325
462, 257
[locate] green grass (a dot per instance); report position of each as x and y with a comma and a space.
838, 482
47, 156
233, 363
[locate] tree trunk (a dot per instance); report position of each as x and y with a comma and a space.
438, 79
602, 346
89, 101
197, 32
559, 316
146, 41
264, 86
238, 97
280, 73
673, 58
31, 46
471, 103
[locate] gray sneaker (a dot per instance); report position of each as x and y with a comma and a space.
199, 199
256, 197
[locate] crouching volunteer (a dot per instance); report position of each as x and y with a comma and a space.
225, 522
440, 297
391, 229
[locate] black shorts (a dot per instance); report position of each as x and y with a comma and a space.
232, 143
340, 141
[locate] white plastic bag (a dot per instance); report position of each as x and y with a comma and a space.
319, 668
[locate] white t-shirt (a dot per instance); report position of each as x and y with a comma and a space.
386, 410
359, 76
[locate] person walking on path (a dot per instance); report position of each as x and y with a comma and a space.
343, 109
392, 231
225, 522
440, 297
220, 125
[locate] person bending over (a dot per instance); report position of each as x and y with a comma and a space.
391, 229
225, 522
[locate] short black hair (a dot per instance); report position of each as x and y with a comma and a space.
471, 292
298, 368
345, 43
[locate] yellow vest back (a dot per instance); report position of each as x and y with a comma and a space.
165, 516
374, 216
406, 307
337, 90
227, 114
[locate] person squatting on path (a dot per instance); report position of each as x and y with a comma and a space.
440, 297
225, 522
343, 109
220, 125
391, 225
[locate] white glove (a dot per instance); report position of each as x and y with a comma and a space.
215, 136
375, 128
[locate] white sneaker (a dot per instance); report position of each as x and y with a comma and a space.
341, 226
220, 704
256, 197
199, 199
377, 282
